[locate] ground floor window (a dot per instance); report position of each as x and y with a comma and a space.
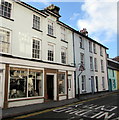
83, 83
61, 82
25, 83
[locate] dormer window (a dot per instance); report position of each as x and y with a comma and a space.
5, 9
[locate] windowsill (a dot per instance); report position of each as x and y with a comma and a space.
7, 18
37, 29
21, 99
64, 41
51, 35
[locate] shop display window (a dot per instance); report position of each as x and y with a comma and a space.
61, 81
18, 82
25, 83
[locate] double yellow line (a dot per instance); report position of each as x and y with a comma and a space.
48, 110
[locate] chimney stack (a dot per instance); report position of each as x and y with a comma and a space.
53, 8
84, 31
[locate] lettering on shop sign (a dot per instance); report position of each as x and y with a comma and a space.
91, 111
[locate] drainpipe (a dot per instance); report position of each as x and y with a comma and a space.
74, 61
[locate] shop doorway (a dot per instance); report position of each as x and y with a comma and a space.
50, 87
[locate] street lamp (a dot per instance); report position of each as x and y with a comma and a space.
81, 69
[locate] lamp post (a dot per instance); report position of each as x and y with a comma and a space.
81, 69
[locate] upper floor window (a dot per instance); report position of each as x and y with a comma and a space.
101, 52
63, 55
91, 63
4, 41
95, 64
36, 22
5, 9
82, 58
50, 28
90, 46
36, 49
50, 52
94, 47
62, 33
102, 66
81, 42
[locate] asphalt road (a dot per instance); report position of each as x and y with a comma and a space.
103, 108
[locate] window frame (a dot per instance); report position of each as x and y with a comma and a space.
95, 64
102, 66
9, 40
82, 59
91, 63
94, 48
50, 28
83, 81
51, 58
40, 45
36, 22
101, 51
8, 8
90, 46
63, 34
64, 49
81, 43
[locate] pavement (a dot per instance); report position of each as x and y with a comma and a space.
17, 111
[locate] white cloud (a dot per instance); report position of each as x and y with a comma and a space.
100, 18
74, 16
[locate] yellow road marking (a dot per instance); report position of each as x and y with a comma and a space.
48, 110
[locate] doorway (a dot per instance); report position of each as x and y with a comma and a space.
92, 84
96, 78
50, 87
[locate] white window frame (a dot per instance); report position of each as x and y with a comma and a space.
63, 33
36, 40
36, 22
50, 44
64, 49
94, 48
95, 64
101, 51
9, 17
50, 28
3, 41
102, 66
81, 42
90, 46
91, 63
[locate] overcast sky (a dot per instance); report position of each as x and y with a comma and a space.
99, 17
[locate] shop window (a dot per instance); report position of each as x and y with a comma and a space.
18, 83
35, 83
25, 83
61, 81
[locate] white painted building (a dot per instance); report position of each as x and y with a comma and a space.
36, 55
93, 56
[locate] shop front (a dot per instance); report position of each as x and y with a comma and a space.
32, 82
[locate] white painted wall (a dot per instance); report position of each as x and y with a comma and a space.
22, 34
87, 71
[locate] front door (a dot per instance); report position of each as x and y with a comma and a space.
1, 90
92, 84
96, 78
69, 86
50, 87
